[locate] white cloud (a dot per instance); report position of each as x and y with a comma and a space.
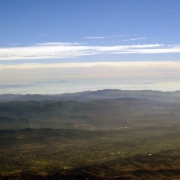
105, 37
135, 39
166, 49
123, 35
96, 37
71, 50
135, 64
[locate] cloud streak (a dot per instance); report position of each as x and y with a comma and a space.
96, 37
135, 39
42, 34
72, 50
106, 37
169, 66
59, 44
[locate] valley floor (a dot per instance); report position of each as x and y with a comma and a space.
137, 154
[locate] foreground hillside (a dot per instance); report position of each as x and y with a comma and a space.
137, 154
96, 135
91, 115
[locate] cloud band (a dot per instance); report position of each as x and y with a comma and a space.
71, 50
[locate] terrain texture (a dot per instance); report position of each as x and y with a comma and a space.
108, 137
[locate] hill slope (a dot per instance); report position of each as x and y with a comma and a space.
91, 115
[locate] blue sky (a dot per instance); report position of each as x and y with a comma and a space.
26, 22
41, 39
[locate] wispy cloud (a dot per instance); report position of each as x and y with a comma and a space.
59, 44
96, 37
106, 37
122, 35
42, 34
71, 50
135, 39
167, 65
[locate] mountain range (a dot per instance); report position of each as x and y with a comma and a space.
96, 95
98, 110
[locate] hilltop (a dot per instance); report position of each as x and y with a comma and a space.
96, 95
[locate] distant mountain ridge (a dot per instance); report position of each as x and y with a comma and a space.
96, 95
90, 110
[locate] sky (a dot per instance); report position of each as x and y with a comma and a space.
62, 46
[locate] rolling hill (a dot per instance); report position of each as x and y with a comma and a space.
91, 115
96, 95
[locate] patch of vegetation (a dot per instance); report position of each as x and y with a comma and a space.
122, 153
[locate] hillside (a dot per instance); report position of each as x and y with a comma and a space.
90, 115
94, 135
137, 154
